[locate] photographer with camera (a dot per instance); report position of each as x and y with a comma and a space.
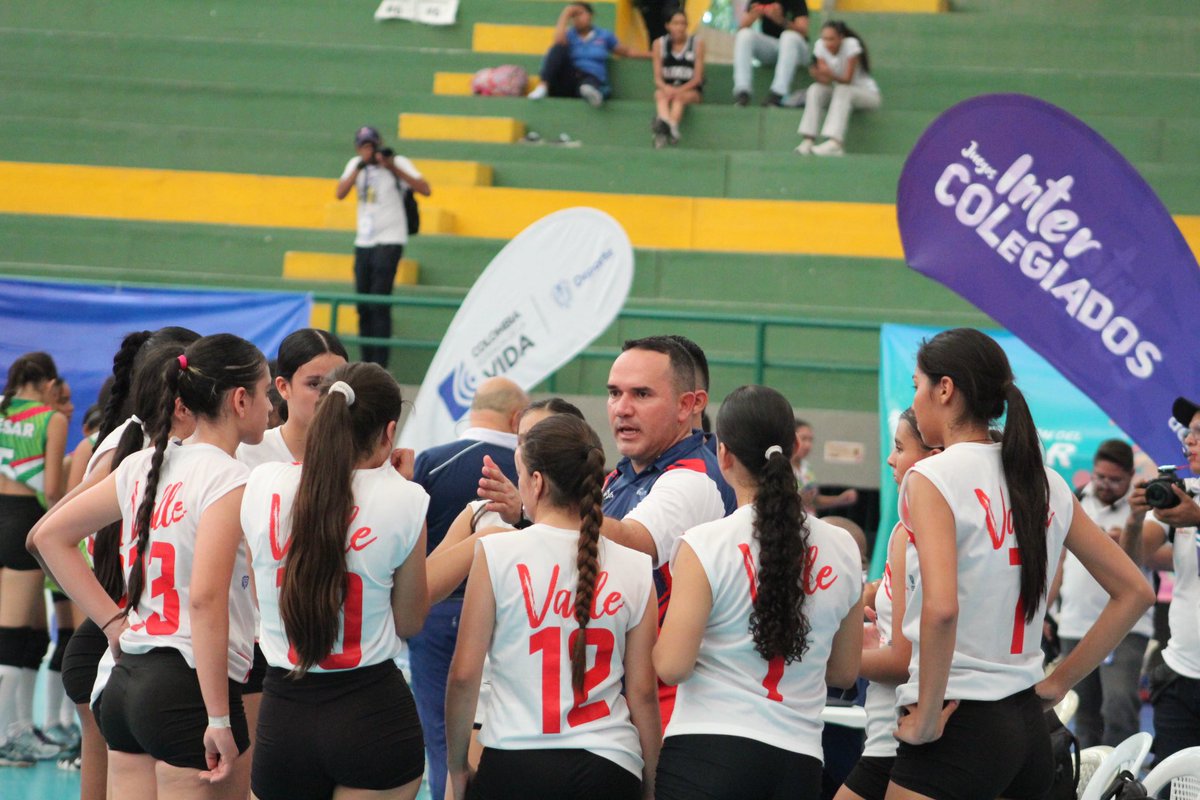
381, 179
1166, 539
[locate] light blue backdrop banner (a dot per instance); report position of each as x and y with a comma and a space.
1070, 424
81, 325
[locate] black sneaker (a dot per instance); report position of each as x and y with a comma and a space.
773, 99
741, 99
660, 127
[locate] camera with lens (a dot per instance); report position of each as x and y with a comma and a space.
1159, 492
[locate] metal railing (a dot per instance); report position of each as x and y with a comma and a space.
759, 324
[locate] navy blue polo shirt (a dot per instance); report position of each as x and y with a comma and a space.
625, 490
450, 473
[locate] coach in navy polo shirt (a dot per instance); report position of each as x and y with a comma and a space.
667, 481
450, 474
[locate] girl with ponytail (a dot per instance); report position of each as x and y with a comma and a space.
766, 610
886, 651
566, 617
306, 356
338, 549
986, 518
33, 441
171, 711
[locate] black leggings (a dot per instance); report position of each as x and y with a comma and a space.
551, 775
697, 766
561, 77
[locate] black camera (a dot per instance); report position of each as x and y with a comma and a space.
1159, 493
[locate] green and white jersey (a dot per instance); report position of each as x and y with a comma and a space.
23, 442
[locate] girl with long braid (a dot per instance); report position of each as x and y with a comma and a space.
171, 711
766, 609
984, 519
567, 617
338, 549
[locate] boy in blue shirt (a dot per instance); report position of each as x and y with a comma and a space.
577, 63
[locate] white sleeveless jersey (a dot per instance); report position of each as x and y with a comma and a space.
533, 705
193, 477
108, 443
733, 690
996, 652
880, 704
385, 525
1083, 598
270, 450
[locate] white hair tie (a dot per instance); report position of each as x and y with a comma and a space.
772, 450
343, 388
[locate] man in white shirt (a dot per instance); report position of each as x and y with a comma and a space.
1167, 540
1109, 704
380, 177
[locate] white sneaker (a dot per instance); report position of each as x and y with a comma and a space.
26, 742
593, 96
538, 92
829, 147
805, 148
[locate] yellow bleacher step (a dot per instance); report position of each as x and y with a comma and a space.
459, 83
434, 219
454, 173
653, 221
530, 40
322, 317
460, 128
304, 266
888, 6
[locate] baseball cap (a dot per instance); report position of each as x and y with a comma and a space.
1183, 410
366, 134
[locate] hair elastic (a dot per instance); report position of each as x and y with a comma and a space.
772, 450
343, 388
182, 361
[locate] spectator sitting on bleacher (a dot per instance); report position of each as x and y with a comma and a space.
841, 70
678, 77
577, 63
783, 41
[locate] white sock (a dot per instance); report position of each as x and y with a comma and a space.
10, 679
66, 711
54, 699
538, 92
28, 682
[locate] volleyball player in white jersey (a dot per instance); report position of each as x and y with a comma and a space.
171, 712
305, 357
337, 716
766, 609
886, 651
567, 617
986, 518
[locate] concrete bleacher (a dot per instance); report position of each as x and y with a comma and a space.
222, 125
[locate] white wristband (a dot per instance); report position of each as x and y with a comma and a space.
219, 722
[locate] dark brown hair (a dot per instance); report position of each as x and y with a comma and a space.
313, 588
33, 367
752, 420
568, 454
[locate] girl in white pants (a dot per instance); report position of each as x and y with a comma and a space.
843, 82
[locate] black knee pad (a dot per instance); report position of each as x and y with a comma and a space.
37, 641
12, 646
60, 647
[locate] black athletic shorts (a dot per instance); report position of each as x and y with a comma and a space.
356, 728
18, 515
870, 776
258, 671
997, 748
551, 775
693, 766
84, 651
152, 704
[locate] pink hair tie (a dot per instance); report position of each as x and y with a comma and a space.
182, 361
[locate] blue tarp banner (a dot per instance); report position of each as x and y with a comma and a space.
81, 325
1071, 426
